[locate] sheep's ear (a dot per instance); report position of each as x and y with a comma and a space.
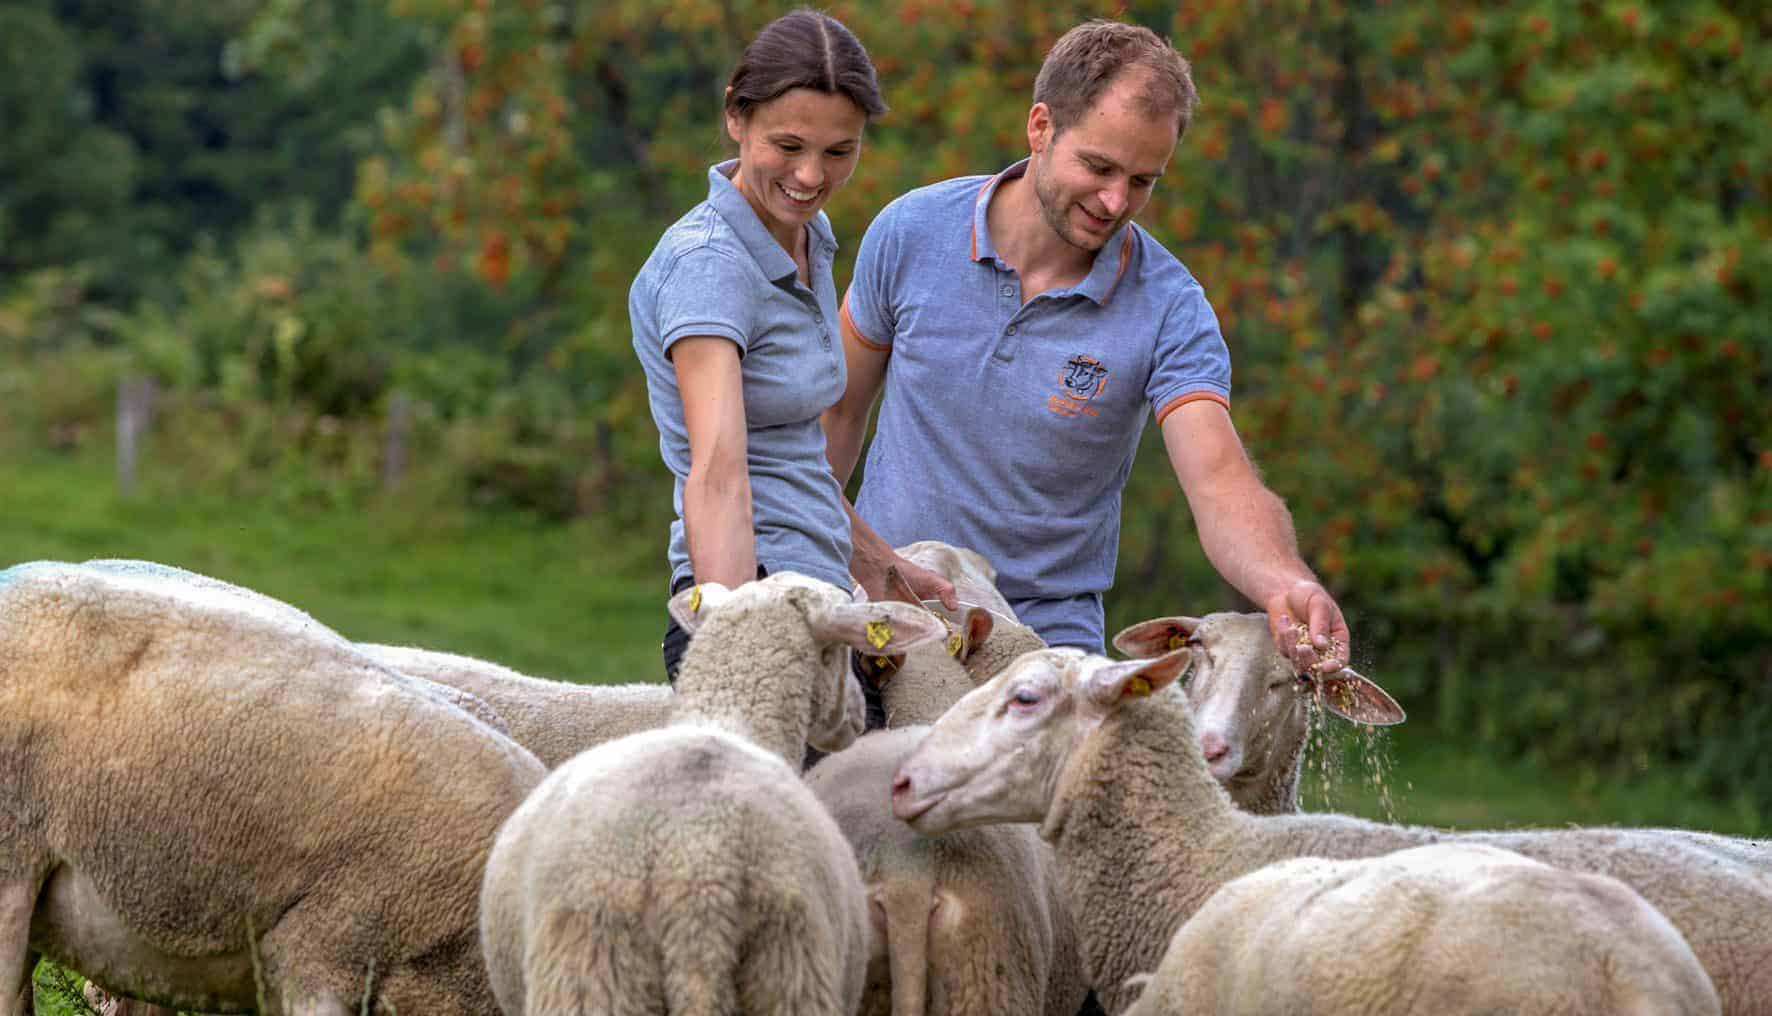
1108, 683
1358, 700
692, 606
1153, 638
972, 630
879, 629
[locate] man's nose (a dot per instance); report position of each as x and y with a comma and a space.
1114, 200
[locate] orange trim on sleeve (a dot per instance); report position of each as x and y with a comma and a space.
1181, 400
856, 329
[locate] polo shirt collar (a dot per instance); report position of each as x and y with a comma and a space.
731, 205
1110, 261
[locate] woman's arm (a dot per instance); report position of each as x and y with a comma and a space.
717, 493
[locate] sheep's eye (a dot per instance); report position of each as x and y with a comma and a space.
1025, 697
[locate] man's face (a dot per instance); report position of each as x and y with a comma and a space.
1097, 174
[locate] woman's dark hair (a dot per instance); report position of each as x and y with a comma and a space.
804, 49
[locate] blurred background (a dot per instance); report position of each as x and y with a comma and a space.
328, 298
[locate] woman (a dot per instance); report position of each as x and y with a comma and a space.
735, 320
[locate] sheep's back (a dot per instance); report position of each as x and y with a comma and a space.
681, 824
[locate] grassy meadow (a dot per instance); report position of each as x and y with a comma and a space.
585, 602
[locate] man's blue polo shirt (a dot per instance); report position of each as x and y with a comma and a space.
718, 272
1010, 428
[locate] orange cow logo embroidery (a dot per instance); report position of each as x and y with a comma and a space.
1081, 379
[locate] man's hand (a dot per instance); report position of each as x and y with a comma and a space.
1308, 628
870, 572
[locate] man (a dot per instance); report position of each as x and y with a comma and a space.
1021, 324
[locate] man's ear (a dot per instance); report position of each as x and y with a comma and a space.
1039, 127
1106, 684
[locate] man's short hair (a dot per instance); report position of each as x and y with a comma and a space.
1090, 57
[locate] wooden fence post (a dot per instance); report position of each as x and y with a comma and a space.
135, 411
396, 431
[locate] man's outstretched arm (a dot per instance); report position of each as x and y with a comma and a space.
1247, 534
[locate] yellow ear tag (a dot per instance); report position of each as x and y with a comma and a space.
955, 643
1138, 687
1177, 641
695, 600
879, 633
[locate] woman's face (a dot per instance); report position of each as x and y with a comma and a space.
793, 151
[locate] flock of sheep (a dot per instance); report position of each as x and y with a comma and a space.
216, 802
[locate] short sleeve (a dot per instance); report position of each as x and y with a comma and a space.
1192, 361
707, 292
868, 306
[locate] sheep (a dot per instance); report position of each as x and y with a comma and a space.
1144, 834
918, 685
974, 580
687, 869
553, 719
973, 576
1443, 928
275, 822
1252, 710
967, 922
251, 599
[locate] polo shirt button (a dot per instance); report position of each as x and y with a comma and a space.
1011, 330
1008, 290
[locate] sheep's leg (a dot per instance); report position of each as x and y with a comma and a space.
18, 897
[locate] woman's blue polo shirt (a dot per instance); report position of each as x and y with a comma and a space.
718, 272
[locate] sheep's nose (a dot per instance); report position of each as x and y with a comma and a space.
901, 786
1212, 743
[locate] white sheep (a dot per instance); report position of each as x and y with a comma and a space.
274, 821
970, 922
253, 600
1145, 835
974, 579
1252, 710
1432, 930
972, 574
994, 888
688, 869
553, 719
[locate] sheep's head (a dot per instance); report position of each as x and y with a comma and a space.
835, 626
919, 684
996, 755
1252, 711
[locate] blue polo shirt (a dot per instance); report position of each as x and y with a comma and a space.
718, 272
1010, 428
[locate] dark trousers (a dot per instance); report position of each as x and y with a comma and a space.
676, 640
